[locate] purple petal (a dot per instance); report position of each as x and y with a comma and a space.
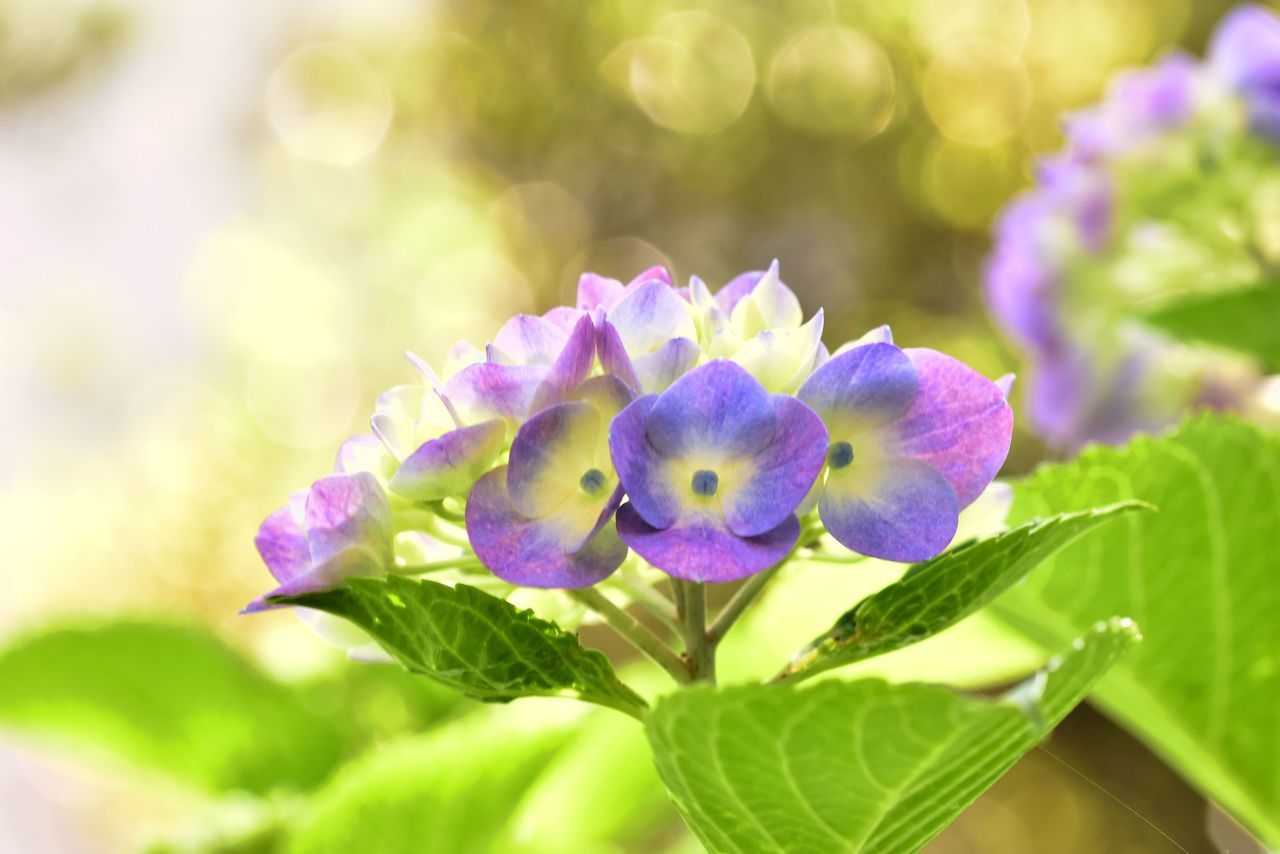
718, 408
640, 467
737, 288
283, 545
658, 370
902, 510
595, 291
781, 474
353, 562
532, 553
872, 384
563, 317
614, 358
703, 548
347, 510
550, 454
1245, 47
571, 366
488, 390
530, 340
656, 273
447, 466
960, 423
649, 316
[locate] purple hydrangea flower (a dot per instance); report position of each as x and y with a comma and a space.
546, 518
714, 469
532, 363
648, 337
1245, 54
915, 436
1140, 104
339, 528
601, 292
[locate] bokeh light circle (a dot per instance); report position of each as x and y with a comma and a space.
977, 93
693, 73
833, 81
327, 104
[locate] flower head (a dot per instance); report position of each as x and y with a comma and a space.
915, 436
714, 469
339, 528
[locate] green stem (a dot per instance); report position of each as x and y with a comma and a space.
746, 594
634, 631
654, 603
700, 652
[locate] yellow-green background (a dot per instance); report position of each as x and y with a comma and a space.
222, 223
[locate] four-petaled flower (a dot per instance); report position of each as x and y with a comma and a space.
714, 469
915, 436
546, 518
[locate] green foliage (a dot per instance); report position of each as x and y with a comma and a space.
450, 790
1200, 577
937, 594
166, 697
862, 765
1245, 320
477, 643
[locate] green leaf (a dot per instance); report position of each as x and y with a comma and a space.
861, 765
1201, 578
479, 644
1245, 320
938, 593
170, 698
449, 790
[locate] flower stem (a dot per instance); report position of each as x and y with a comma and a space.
700, 651
746, 594
635, 632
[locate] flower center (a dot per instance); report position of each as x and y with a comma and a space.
705, 482
840, 455
592, 481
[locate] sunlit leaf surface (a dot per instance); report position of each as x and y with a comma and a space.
1200, 577
855, 766
1246, 320
166, 697
481, 645
935, 595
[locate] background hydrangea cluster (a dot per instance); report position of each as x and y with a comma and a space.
1166, 188
721, 419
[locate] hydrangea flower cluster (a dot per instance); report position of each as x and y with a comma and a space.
1167, 188
691, 429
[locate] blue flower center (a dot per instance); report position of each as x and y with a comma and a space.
592, 482
705, 482
840, 455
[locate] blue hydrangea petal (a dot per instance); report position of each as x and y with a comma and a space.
900, 510
532, 553
862, 388
702, 548
717, 408
779, 476
447, 466
644, 473
570, 368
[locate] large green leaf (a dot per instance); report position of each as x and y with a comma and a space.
1246, 320
479, 644
449, 790
167, 697
1202, 578
851, 766
937, 594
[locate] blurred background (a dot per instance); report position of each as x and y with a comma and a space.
221, 224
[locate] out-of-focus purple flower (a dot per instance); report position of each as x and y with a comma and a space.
714, 469
915, 436
339, 528
1245, 54
546, 518
1140, 104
